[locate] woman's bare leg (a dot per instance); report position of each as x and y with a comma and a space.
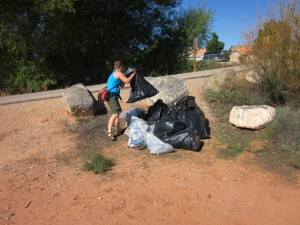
112, 121
117, 124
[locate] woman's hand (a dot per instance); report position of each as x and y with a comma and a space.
123, 78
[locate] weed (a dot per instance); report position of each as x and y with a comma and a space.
284, 133
98, 164
238, 91
295, 156
230, 152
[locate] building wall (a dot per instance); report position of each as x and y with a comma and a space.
234, 57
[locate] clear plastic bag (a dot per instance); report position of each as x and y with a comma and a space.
156, 146
137, 132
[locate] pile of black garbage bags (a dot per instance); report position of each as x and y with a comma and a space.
183, 126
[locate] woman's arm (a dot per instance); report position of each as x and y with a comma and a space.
123, 78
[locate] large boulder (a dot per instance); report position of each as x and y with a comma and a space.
170, 89
253, 77
79, 101
251, 117
223, 79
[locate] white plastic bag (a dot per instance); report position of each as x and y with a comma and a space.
156, 146
137, 132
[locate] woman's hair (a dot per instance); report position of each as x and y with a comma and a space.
118, 64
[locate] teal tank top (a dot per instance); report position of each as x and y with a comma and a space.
113, 84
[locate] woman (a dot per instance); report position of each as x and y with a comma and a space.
116, 80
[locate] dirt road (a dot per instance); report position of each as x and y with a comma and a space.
42, 181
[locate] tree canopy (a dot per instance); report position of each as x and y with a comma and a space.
48, 44
214, 44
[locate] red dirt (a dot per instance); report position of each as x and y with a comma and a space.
42, 180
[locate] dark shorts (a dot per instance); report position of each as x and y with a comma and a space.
114, 105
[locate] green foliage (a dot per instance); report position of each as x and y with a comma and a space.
276, 54
29, 78
214, 44
238, 91
26, 78
226, 54
196, 22
274, 88
230, 152
208, 64
73, 41
53, 5
98, 164
284, 133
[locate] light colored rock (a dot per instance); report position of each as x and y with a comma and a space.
252, 76
219, 80
251, 117
170, 90
79, 101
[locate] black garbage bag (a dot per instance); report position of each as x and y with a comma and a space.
157, 111
129, 71
140, 89
184, 139
167, 126
188, 112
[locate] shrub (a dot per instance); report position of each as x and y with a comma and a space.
208, 64
238, 91
276, 53
284, 133
28, 77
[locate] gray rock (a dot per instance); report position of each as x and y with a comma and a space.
79, 101
251, 117
253, 77
222, 79
170, 90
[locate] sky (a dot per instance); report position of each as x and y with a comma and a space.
232, 17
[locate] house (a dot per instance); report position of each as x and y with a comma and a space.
236, 51
199, 54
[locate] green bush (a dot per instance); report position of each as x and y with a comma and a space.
238, 92
28, 78
231, 151
208, 64
284, 133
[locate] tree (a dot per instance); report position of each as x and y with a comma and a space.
22, 25
214, 44
170, 49
197, 23
50, 44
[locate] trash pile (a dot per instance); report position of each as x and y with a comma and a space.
162, 129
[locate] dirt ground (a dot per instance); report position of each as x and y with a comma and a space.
42, 180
